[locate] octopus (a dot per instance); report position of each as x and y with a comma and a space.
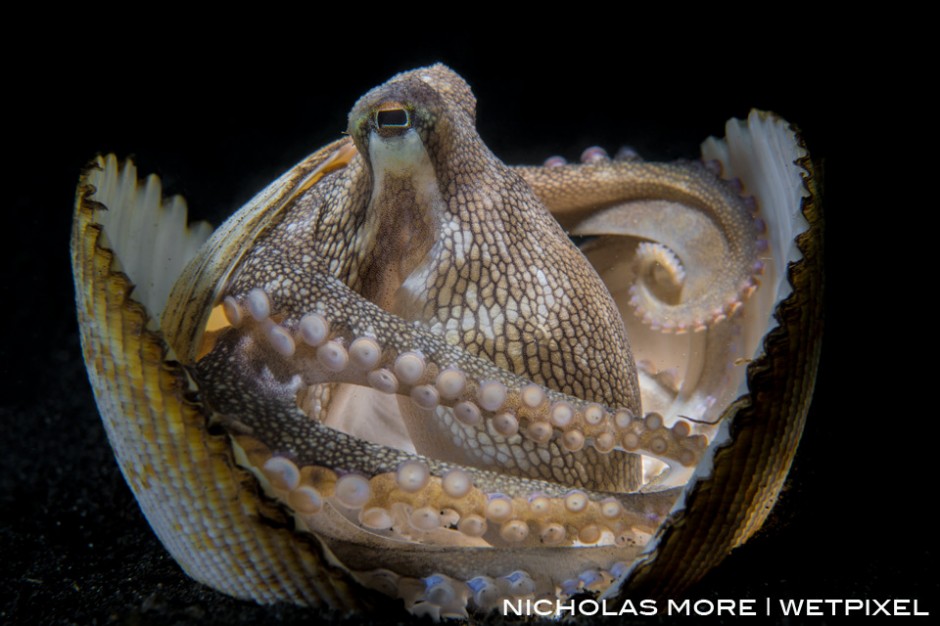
393, 372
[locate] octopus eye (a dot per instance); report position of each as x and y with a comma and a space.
392, 118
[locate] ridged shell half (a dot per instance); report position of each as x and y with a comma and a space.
130, 247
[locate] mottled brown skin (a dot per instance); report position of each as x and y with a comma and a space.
479, 227
509, 237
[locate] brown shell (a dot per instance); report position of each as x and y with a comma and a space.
749, 472
226, 537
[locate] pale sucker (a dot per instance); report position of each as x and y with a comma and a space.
393, 371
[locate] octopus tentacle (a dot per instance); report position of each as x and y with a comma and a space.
309, 465
704, 262
395, 356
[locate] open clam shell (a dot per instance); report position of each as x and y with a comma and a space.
129, 250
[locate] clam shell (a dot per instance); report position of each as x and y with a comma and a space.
208, 511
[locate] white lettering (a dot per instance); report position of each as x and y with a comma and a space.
648, 607
626, 608
791, 607
678, 609
853, 605
703, 607
747, 606
570, 607
588, 607
900, 607
813, 607
509, 606
881, 608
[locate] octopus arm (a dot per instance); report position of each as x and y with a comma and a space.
698, 260
344, 338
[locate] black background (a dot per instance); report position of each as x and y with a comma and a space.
220, 123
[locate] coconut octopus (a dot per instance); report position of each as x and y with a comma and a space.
393, 371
